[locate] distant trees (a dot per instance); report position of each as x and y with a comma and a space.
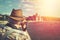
3, 17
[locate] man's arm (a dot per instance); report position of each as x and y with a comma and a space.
24, 26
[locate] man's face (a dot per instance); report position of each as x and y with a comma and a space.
15, 21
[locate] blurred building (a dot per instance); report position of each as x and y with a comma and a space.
35, 17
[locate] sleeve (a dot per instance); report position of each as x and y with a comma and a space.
2, 33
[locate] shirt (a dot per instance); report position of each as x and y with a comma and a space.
11, 33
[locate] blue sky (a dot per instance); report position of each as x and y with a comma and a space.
7, 5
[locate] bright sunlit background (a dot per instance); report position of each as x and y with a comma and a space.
47, 7
30, 7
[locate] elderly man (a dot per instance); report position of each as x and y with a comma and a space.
14, 29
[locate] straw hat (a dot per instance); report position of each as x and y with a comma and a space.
17, 14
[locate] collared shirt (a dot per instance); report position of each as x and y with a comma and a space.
9, 32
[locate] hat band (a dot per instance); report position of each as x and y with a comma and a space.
17, 16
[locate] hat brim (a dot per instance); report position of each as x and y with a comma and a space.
16, 18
